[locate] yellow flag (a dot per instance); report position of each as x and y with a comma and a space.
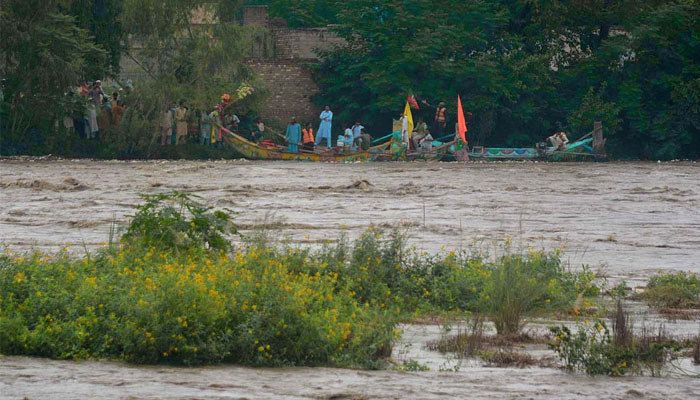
409, 117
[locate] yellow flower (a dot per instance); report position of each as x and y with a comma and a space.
261, 348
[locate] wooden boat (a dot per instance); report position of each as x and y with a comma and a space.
590, 146
254, 151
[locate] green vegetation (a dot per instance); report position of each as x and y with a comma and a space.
175, 289
523, 68
679, 290
591, 348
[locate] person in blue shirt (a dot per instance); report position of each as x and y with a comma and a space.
348, 139
293, 136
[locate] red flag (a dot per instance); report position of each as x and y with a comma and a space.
461, 122
412, 101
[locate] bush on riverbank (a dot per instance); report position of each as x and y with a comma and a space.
176, 291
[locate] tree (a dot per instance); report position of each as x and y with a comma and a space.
101, 19
187, 49
435, 49
44, 54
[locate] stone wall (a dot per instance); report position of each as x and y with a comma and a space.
290, 86
279, 57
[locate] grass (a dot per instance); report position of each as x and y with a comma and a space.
175, 289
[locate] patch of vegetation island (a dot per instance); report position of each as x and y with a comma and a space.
176, 289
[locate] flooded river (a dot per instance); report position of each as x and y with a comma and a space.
628, 219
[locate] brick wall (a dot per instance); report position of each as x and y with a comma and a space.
279, 58
302, 43
290, 85
255, 15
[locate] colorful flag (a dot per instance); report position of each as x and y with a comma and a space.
409, 117
412, 101
461, 121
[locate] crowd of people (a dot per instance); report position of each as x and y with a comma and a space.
96, 112
355, 138
298, 136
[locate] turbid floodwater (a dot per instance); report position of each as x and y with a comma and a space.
629, 220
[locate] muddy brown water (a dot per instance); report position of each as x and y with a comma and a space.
628, 219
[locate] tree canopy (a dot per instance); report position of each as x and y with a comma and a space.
524, 68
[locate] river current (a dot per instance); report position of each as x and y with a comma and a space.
628, 220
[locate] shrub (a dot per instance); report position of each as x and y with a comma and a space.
673, 290
593, 350
176, 221
146, 307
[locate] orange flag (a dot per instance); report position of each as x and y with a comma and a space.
461, 122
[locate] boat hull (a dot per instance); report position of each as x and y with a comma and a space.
254, 151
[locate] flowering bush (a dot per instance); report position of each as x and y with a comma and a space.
176, 290
246, 307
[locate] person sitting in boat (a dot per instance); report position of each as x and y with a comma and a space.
559, 140
420, 131
258, 130
425, 145
347, 139
357, 135
293, 136
366, 140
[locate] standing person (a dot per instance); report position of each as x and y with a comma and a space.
357, 135
181, 123
215, 120
96, 93
93, 130
115, 98
258, 130
440, 121
308, 137
105, 116
404, 131
117, 112
324, 130
166, 126
293, 136
204, 128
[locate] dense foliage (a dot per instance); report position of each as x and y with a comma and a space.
525, 68
175, 291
